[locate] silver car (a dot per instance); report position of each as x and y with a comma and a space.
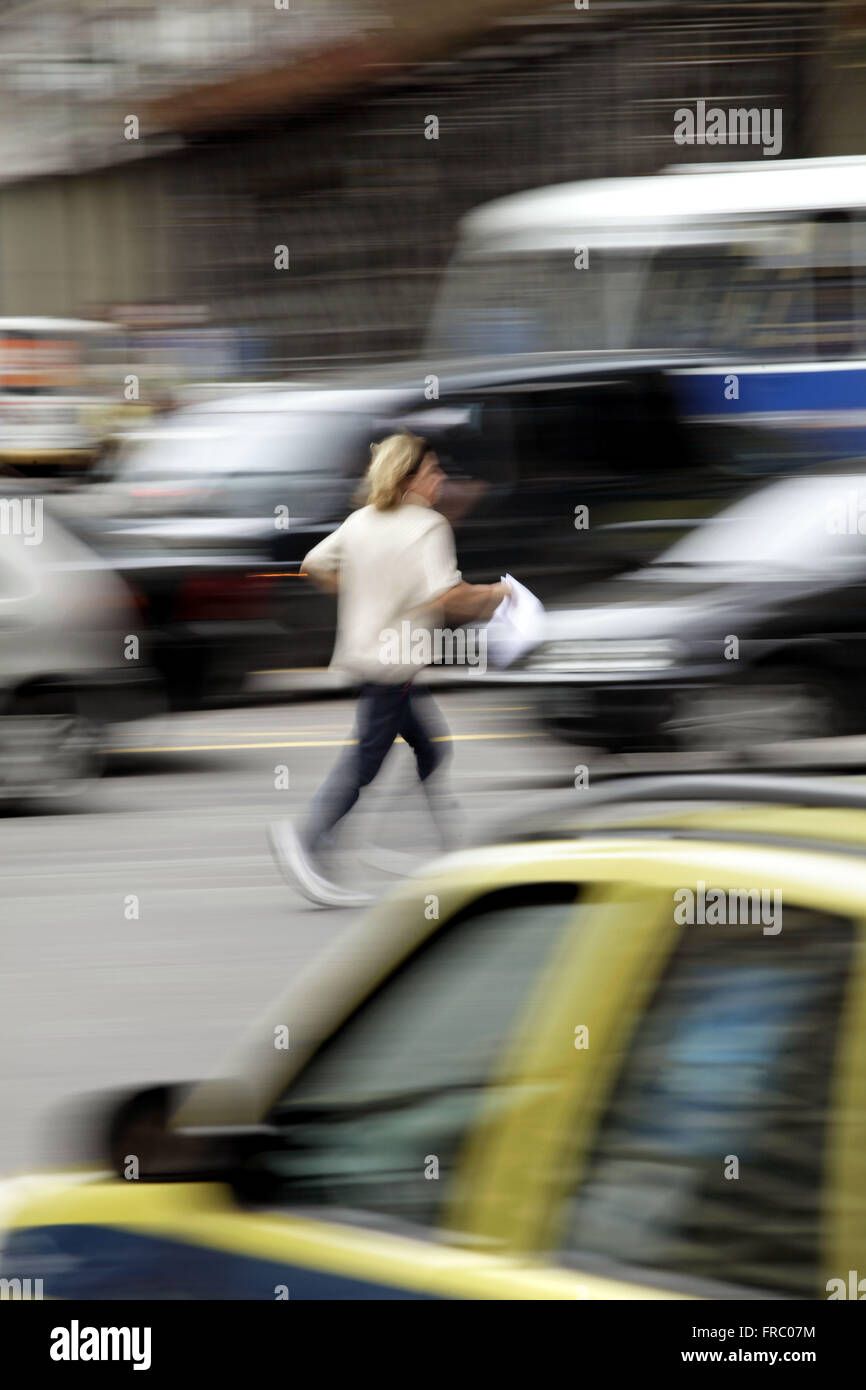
71, 652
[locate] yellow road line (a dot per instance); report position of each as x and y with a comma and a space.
277, 733
489, 709
323, 729
301, 743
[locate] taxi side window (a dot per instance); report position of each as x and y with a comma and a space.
375, 1123
709, 1161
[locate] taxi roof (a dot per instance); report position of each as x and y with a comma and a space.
823, 812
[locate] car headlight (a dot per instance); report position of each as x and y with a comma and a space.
603, 656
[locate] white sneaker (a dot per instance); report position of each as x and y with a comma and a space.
299, 868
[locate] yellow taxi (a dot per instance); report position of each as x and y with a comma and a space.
621, 1056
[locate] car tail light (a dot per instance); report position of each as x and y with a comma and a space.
223, 597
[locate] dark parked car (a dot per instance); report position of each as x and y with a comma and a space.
750, 630
560, 469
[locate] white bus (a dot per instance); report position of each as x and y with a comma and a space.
757, 270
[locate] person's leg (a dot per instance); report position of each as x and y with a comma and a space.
420, 723
380, 713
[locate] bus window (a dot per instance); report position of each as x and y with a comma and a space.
536, 301
835, 285
726, 298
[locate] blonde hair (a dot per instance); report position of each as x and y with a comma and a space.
391, 463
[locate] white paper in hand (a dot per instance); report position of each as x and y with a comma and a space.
515, 626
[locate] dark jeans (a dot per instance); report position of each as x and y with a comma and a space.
384, 712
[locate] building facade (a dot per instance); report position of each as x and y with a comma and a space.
311, 214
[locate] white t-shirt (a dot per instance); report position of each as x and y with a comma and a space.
393, 566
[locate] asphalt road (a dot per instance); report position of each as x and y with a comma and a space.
92, 996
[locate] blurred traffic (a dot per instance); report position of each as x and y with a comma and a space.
632, 360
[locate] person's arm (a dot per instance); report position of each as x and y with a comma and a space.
460, 602
467, 601
322, 564
326, 580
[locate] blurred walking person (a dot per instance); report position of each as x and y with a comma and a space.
393, 566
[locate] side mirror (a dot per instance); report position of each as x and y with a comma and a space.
141, 1143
